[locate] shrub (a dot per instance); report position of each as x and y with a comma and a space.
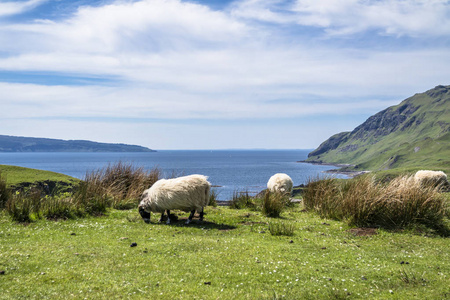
274, 203
281, 228
364, 202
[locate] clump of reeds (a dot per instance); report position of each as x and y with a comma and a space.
364, 202
242, 200
213, 196
25, 206
119, 185
274, 203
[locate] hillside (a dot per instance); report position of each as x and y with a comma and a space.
18, 178
28, 144
412, 135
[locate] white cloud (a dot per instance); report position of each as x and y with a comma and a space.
344, 17
178, 61
13, 8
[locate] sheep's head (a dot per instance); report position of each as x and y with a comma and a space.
145, 215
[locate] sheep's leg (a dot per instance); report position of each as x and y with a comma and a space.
162, 216
201, 215
190, 217
168, 217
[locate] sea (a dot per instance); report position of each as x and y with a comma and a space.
229, 171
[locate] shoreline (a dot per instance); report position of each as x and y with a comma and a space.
351, 174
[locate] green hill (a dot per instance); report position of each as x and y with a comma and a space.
18, 178
412, 135
30, 144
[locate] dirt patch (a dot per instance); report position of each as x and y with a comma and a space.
363, 231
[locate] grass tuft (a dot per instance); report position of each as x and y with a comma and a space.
5, 194
118, 186
366, 203
281, 228
274, 203
242, 200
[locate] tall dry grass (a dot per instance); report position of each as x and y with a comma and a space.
366, 203
118, 185
274, 203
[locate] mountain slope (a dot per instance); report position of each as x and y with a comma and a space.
414, 134
27, 144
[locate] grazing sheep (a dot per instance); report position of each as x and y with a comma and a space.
187, 193
431, 178
280, 183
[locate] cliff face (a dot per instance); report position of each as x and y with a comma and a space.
396, 136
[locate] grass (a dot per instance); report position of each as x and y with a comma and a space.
235, 254
18, 175
364, 202
231, 256
423, 144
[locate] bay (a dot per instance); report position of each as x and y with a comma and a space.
228, 170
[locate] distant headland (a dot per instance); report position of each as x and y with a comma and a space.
30, 144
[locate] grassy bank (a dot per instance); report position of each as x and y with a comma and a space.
18, 175
231, 256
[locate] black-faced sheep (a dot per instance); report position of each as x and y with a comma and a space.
280, 183
431, 178
186, 193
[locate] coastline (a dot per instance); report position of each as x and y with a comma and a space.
351, 174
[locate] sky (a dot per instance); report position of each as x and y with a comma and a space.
217, 74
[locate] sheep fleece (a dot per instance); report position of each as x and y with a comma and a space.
280, 182
430, 177
184, 193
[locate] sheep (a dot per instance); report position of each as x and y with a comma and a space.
431, 178
280, 183
187, 193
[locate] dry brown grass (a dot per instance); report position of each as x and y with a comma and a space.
121, 183
366, 203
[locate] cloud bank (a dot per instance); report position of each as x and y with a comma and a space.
172, 69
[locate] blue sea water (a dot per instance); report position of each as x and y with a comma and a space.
229, 170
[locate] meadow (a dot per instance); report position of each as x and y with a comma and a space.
239, 252
232, 255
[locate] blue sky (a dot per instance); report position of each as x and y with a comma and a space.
171, 74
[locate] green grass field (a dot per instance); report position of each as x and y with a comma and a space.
231, 256
16, 175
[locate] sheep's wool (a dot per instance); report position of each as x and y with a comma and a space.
433, 178
281, 183
184, 193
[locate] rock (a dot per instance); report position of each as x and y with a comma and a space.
133, 245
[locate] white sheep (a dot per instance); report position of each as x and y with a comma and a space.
431, 178
187, 193
280, 183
